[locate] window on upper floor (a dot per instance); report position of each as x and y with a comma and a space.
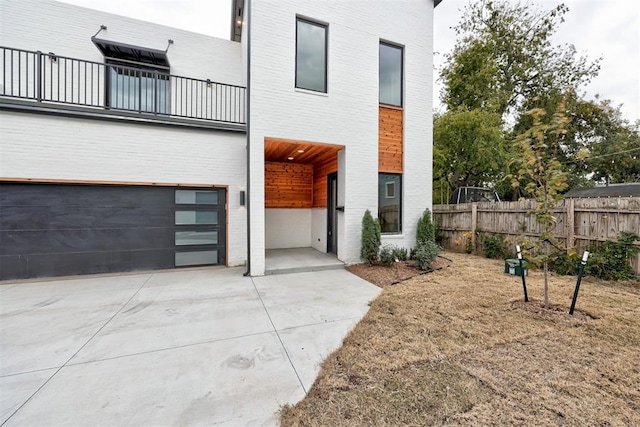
390, 202
390, 74
137, 78
311, 55
138, 89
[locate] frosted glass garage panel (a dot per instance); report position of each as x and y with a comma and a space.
196, 258
196, 217
196, 197
184, 238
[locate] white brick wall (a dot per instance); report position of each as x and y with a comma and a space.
56, 147
348, 114
53, 147
66, 30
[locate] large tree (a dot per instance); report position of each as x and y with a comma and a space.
504, 58
505, 63
470, 148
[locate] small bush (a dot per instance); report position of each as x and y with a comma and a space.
611, 259
425, 253
426, 231
565, 264
401, 254
494, 246
370, 243
386, 255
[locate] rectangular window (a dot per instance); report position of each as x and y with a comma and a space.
311, 56
196, 217
183, 259
188, 238
390, 74
389, 202
138, 89
199, 197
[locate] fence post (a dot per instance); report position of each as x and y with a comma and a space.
474, 222
571, 227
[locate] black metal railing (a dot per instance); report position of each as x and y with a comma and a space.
49, 78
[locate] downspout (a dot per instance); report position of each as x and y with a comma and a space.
248, 125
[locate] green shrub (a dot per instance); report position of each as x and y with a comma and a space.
401, 254
425, 253
426, 230
611, 259
386, 255
370, 244
494, 246
565, 264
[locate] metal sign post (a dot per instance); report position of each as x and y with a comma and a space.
524, 281
585, 256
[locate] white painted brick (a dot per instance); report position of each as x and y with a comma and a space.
53, 147
348, 114
66, 30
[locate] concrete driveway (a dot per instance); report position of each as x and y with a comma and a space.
182, 347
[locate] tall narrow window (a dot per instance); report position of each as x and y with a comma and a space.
311, 55
389, 202
390, 73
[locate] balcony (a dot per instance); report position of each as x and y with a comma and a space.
45, 81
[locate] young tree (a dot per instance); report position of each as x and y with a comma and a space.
538, 166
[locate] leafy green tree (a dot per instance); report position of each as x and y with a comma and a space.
504, 57
614, 157
545, 180
469, 148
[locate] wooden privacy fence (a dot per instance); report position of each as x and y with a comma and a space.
580, 222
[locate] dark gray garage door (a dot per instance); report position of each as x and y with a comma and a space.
58, 230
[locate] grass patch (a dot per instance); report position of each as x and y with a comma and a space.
456, 347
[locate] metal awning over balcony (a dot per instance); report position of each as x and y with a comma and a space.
137, 54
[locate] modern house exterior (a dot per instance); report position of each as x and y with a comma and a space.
127, 145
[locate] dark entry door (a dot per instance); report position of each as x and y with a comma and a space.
332, 220
57, 230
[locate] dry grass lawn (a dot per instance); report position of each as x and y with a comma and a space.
454, 347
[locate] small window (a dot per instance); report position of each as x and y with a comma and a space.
193, 197
183, 259
196, 217
390, 203
311, 56
390, 190
206, 237
390, 74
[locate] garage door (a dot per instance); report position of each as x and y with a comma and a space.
58, 230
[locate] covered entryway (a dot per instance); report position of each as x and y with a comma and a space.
301, 187
66, 229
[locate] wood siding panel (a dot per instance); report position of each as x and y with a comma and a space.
320, 172
390, 137
288, 185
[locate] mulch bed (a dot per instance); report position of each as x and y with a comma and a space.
400, 271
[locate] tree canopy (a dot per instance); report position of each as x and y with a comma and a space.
504, 66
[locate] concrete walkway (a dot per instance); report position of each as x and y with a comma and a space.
182, 347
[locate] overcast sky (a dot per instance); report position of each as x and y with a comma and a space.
607, 28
